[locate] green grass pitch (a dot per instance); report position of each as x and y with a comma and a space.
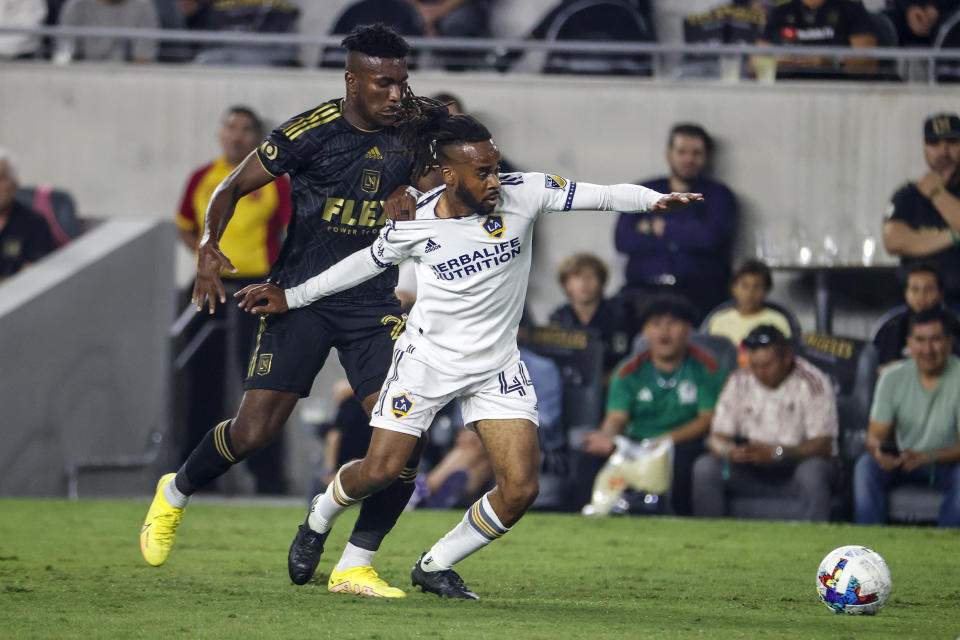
73, 570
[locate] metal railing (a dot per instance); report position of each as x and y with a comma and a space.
499, 53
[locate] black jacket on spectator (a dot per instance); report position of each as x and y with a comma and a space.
909, 206
25, 238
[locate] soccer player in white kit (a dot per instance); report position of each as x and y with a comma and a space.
471, 243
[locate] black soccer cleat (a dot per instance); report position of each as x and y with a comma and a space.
446, 583
304, 554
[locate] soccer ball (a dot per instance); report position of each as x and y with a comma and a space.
854, 580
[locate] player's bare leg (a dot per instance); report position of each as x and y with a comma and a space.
514, 451
383, 470
378, 513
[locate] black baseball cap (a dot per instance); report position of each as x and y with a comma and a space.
940, 126
766, 335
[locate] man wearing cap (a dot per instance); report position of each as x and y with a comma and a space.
772, 434
923, 217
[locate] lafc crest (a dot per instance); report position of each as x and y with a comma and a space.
493, 225
263, 363
370, 180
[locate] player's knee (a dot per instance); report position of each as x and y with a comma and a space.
520, 496
378, 474
247, 437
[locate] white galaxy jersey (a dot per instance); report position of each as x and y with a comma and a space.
472, 271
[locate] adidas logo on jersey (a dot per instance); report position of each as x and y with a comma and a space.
374, 154
431, 246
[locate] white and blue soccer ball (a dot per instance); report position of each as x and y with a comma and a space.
854, 580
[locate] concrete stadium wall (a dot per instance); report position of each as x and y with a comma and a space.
84, 358
804, 159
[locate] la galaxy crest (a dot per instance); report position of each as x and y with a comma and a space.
400, 405
493, 225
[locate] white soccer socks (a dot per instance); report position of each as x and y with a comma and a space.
330, 504
480, 526
173, 495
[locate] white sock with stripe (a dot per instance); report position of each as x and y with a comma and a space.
354, 556
480, 526
330, 504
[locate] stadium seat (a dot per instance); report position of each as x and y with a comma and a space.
885, 318
398, 14
795, 329
948, 37
913, 504
57, 206
600, 20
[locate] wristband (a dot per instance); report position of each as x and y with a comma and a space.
954, 236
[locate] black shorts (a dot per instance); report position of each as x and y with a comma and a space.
291, 348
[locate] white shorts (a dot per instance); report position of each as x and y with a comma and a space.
414, 392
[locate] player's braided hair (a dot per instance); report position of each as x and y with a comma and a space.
376, 40
425, 126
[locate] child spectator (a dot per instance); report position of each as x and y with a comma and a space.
583, 277
750, 285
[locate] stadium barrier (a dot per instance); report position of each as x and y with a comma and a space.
83, 335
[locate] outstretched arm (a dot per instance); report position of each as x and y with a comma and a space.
583, 196
358, 267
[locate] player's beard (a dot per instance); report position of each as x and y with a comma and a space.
467, 198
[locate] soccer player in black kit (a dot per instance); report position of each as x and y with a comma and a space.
344, 159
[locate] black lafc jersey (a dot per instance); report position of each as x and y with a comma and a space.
339, 176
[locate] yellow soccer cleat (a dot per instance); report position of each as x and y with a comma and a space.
160, 527
362, 581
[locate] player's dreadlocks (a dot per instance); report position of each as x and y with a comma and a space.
425, 126
376, 40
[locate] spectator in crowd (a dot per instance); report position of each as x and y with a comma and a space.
820, 23
24, 234
249, 16
773, 432
688, 251
136, 14
251, 242
923, 216
583, 277
667, 391
918, 21
21, 13
914, 422
750, 285
924, 291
